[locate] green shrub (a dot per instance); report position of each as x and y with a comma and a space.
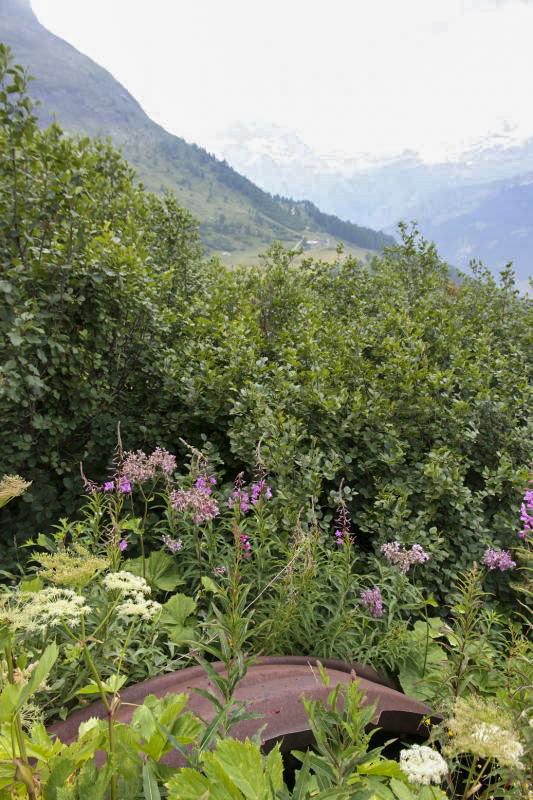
96, 274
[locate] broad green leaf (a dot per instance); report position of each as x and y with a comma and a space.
9, 701
174, 614
143, 719
401, 791
33, 585
161, 570
209, 584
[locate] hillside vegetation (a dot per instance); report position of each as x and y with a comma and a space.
414, 392
199, 464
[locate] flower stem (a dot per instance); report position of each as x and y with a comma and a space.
109, 708
26, 773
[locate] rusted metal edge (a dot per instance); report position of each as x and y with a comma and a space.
272, 688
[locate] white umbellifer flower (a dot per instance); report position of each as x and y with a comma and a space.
497, 742
126, 583
422, 765
49, 608
138, 606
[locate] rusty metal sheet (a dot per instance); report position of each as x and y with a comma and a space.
272, 687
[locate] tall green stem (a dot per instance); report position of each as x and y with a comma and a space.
141, 532
26, 772
109, 708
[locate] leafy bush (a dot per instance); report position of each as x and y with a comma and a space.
413, 392
96, 274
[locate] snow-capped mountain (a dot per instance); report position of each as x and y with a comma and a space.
476, 177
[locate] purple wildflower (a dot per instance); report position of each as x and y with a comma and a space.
372, 601
396, 554
218, 572
125, 486
203, 484
109, 486
498, 559
173, 544
258, 489
123, 544
526, 514
239, 498
245, 545
342, 534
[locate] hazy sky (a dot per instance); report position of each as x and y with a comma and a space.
349, 75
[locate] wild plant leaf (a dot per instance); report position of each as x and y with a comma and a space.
39, 673
161, 570
150, 787
189, 784
401, 791
174, 614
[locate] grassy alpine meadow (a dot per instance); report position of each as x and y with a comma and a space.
300, 457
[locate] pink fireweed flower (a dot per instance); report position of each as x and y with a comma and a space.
239, 498
340, 537
109, 486
396, 554
372, 601
245, 545
498, 559
196, 501
204, 483
260, 489
123, 544
125, 486
137, 467
163, 461
342, 534
174, 545
526, 514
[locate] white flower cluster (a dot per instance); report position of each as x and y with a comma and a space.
422, 765
134, 589
51, 607
138, 606
498, 742
126, 583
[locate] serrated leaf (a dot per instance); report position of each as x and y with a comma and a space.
189, 784
174, 614
242, 762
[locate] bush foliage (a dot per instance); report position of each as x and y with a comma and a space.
411, 391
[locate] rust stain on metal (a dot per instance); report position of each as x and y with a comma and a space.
272, 687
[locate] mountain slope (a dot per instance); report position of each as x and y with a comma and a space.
473, 207
85, 98
496, 228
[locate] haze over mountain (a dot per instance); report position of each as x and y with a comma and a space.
466, 203
84, 98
